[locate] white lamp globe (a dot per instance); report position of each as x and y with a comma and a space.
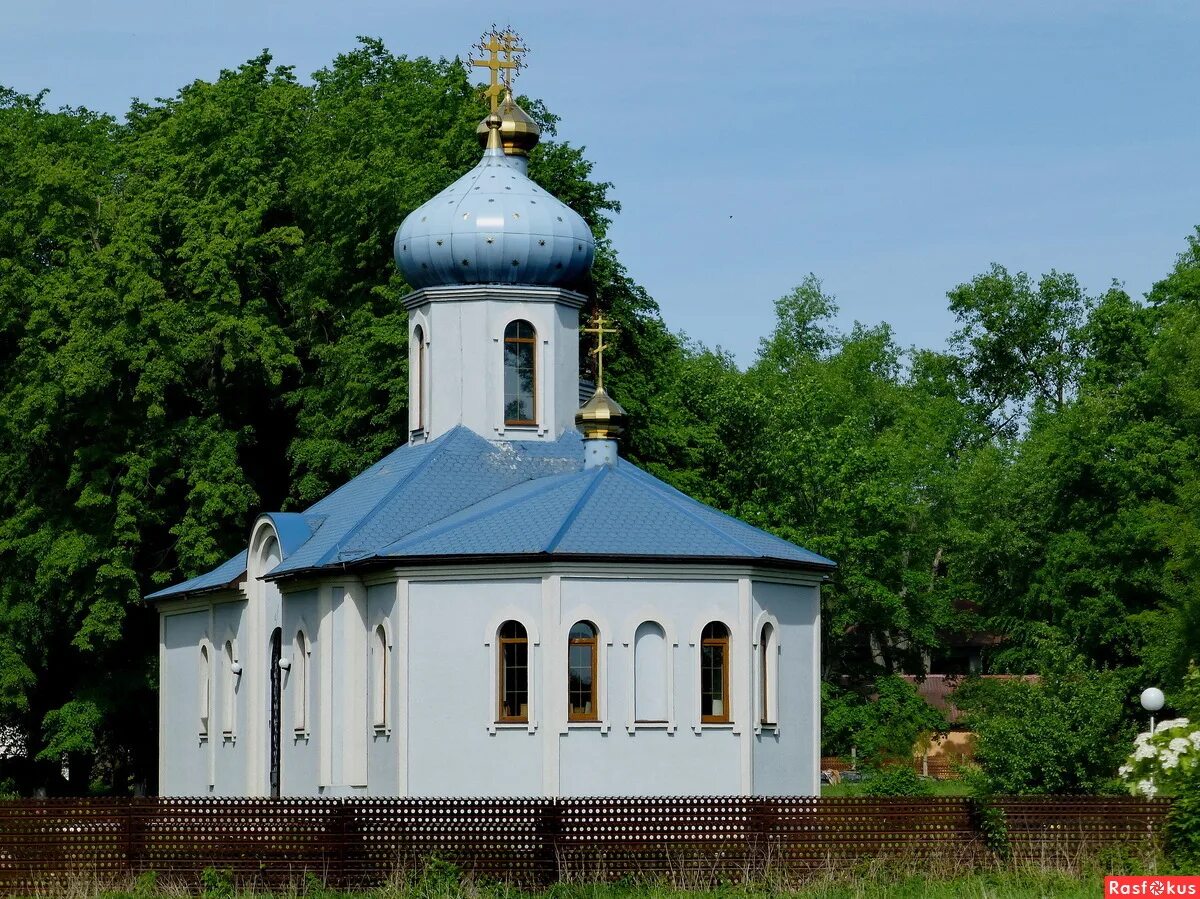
1152, 699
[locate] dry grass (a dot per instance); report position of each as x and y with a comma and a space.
1058, 874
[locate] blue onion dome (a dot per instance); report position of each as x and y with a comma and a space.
494, 226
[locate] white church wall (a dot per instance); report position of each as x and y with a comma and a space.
437, 734
185, 762
385, 734
464, 358
342, 685
300, 762
231, 737
787, 757
455, 747
619, 756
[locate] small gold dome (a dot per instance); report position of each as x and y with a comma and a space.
518, 132
601, 417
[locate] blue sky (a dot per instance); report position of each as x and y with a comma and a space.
893, 148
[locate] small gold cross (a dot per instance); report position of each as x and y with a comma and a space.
500, 71
600, 330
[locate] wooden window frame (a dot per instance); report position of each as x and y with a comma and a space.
533, 395
723, 642
501, 642
594, 642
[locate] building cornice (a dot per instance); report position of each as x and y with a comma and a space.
497, 567
476, 293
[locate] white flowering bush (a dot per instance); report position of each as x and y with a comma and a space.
1163, 759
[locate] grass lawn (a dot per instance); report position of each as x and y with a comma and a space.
932, 878
882, 885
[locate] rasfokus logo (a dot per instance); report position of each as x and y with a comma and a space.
1147, 885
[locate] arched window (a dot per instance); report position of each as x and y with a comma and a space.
767, 660
298, 684
418, 378
520, 373
650, 673
379, 672
513, 676
229, 693
581, 672
714, 674
204, 683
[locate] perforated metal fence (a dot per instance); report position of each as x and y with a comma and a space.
534, 842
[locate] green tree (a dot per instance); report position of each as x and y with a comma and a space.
1020, 343
1067, 732
884, 721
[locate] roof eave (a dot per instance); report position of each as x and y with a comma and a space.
377, 562
198, 591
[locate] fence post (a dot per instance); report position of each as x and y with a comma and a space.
549, 831
338, 869
133, 838
760, 844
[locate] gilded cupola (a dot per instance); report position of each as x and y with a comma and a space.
601, 419
519, 134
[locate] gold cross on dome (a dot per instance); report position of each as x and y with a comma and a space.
496, 44
599, 330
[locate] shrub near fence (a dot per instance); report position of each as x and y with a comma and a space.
533, 842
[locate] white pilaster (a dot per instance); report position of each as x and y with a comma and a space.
553, 673
402, 673
743, 708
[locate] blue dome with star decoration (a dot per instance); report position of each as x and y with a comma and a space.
494, 225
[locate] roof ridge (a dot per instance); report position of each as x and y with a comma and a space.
569, 518
331, 554
685, 507
445, 524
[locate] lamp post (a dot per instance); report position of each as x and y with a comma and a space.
1152, 701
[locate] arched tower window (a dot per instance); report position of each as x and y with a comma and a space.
417, 374
513, 677
204, 683
379, 651
650, 673
520, 373
298, 684
768, 681
581, 672
714, 674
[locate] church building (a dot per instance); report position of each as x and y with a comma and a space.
502, 606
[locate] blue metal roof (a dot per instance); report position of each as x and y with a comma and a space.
224, 575
464, 496
294, 529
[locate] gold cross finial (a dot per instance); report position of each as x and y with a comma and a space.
598, 328
495, 44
